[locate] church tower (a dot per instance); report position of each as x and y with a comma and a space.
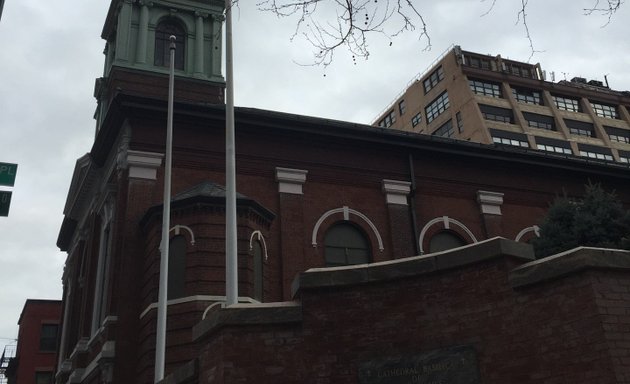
137, 56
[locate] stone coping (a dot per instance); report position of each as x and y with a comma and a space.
569, 262
411, 266
248, 314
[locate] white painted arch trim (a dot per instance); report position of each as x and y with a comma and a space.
257, 235
533, 228
346, 216
447, 221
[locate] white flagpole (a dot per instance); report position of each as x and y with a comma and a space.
231, 262
160, 337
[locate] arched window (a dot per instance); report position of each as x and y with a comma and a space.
258, 255
176, 268
345, 244
163, 32
444, 240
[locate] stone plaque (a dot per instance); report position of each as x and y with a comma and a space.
455, 365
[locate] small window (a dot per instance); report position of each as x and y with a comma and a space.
434, 78
416, 119
402, 107
501, 115
528, 96
605, 110
566, 103
177, 268
509, 138
437, 107
388, 120
580, 128
163, 32
595, 152
540, 121
618, 134
485, 88
553, 145
445, 240
345, 244
460, 122
445, 130
48, 338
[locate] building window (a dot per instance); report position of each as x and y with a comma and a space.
553, 145
566, 103
48, 338
502, 115
485, 88
416, 119
176, 268
258, 254
580, 128
345, 244
595, 152
434, 78
163, 32
617, 134
436, 107
460, 122
518, 69
44, 378
509, 138
445, 130
529, 96
624, 157
388, 120
605, 110
540, 121
402, 107
479, 62
445, 240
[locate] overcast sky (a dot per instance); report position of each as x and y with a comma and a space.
51, 52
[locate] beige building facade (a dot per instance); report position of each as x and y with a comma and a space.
491, 100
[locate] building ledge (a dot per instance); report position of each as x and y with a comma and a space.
567, 263
412, 266
186, 373
248, 314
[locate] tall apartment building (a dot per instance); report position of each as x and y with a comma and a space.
489, 99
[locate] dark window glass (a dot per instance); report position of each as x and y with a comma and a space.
485, 88
553, 145
437, 106
163, 32
528, 96
502, 115
509, 138
434, 78
445, 130
345, 244
177, 267
445, 240
416, 119
624, 157
540, 121
580, 128
605, 110
48, 338
402, 107
617, 134
388, 120
567, 103
258, 270
595, 152
460, 122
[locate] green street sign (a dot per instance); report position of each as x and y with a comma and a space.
7, 174
5, 201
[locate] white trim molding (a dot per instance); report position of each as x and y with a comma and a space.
258, 236
396, 191
144, 165
490, 202
446, 222
346, 216
290, 180
533, 228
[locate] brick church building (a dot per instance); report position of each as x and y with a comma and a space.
365, 255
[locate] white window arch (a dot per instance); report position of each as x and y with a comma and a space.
526, 231
346, 211
447, 223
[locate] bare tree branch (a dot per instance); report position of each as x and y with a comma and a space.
608, 10
355, 21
